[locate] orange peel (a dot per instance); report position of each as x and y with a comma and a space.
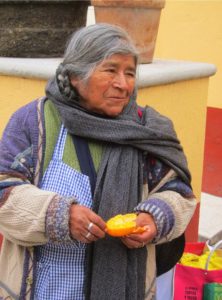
121, 225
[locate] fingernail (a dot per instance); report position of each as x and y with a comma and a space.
147, 227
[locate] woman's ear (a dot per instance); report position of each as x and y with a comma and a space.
74, 82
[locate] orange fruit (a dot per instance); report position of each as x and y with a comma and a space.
121, 225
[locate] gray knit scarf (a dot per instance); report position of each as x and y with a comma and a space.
115, 272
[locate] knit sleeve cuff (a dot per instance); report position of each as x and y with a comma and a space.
162, 214
57, 219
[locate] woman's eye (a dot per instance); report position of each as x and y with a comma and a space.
111, 70
131, 74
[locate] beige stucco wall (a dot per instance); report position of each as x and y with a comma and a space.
16, 92
192, 30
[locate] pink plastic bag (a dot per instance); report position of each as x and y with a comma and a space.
189, 281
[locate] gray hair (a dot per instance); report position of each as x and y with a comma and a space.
87, 48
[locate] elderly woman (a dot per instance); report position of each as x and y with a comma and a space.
78, 156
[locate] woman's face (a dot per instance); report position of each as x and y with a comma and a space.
110, 86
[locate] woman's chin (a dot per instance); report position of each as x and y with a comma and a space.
113, 112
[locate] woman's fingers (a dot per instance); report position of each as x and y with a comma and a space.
138, 240
146, 220
88, 238
85, 225
97, 229
132, 244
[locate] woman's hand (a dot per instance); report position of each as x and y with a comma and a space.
85, 225
136, 240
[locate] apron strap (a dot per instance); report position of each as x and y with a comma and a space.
60, 144
85, 160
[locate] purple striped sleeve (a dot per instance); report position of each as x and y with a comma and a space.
57, 219
162, 214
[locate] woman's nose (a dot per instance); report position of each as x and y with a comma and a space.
120, 81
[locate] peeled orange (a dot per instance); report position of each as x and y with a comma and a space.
121, 225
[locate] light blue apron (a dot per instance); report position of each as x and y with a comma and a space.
60, 267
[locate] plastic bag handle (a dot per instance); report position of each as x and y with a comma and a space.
215, 247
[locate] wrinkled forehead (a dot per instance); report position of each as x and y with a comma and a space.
119, 59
